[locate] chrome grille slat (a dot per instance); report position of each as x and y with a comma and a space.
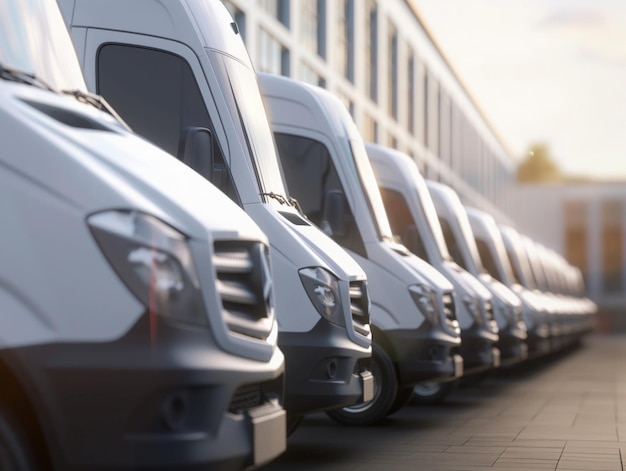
449, 307
244, 285
359, 307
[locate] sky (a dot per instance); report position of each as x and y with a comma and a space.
543, 71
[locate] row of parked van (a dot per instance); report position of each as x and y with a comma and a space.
184, 298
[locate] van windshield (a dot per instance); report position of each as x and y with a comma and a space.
248, 105
370, 187
428, 207
34, 39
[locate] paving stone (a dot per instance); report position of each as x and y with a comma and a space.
566, 413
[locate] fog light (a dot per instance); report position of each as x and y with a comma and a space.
174, 411
331, 369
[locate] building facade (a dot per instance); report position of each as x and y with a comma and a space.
380, 59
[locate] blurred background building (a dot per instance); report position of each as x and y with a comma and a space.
381, 60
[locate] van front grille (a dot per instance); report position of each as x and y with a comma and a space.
449, 307
244, 285
360, 307
489, 311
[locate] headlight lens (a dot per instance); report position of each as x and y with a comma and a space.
322, 287
153, 260
426, 300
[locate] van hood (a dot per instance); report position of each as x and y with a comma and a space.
500, 290
111, 168
469, 282
422, 269
306, 244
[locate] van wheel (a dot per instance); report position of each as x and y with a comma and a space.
15, 450
385, 393
402, 398
432, 393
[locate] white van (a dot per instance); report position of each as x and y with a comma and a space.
495, 260
416, 334
413, 218
505, 305
131, 335
538, 321
178, 72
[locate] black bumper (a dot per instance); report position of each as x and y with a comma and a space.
179, 402
512, 345
424, 354
479, 349
322, 369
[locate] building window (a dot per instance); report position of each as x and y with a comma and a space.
371, 58
273, 56
345, 38
308, 75
392, 78
239, 17
279, 9
349, 104
576, 236
425, 104
410, 91
612, 246
370, 129
312, 26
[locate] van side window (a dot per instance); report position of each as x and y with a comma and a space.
401, 222
157, 95
451, 242
487, 260
310, 175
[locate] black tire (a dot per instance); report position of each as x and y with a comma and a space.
385, 392
16, 452
432, 393
293, 422
402, 398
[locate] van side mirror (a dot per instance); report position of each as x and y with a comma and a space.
196, 151
335, 213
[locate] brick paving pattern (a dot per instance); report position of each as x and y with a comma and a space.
566, 413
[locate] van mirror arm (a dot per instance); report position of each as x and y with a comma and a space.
196, 150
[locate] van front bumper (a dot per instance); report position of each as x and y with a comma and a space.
324, 369
512, 344
425, 354
171, 402
479, 349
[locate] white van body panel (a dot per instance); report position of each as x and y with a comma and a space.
111, 169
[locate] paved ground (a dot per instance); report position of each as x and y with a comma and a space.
566, 413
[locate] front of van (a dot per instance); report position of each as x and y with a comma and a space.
132, 351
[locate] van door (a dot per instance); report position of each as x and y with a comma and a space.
151, 83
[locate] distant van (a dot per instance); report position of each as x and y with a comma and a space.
413, 218
413, 315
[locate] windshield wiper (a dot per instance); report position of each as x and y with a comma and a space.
96, 101
21, 76
278, 197
294, 202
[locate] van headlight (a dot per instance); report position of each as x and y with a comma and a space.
426, 300
322, 287
153, 260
